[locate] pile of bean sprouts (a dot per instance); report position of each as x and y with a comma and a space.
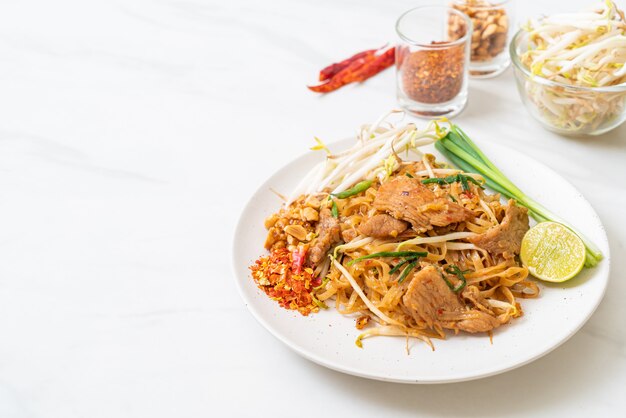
373, 156
583, 49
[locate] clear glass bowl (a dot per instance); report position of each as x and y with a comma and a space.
563, 108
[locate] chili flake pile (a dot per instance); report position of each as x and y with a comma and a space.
283, 278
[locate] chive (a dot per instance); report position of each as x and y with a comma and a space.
406, 271
452, 198
460, 178
458, 273
390, 254
452, 269
408, 175
464, 184
400, 264
358, 188
437, 180
334, 210
471, 179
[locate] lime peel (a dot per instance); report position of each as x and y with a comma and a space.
552, 252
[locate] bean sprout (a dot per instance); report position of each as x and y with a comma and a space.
371, 157
585, 49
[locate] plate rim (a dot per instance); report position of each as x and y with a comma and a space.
330, 364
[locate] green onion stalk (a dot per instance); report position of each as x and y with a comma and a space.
457, 147
358, 188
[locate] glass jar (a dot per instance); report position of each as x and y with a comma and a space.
432, 69
492, 23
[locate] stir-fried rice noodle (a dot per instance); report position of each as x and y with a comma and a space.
494, 281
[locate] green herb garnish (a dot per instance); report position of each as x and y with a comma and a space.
396, 254
408, 175
400, 264
407, 270
410, 259
334, 210
358, 188
458, 273
457, 178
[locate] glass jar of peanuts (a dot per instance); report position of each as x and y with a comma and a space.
492, 22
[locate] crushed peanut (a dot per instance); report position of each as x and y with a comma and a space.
491, 27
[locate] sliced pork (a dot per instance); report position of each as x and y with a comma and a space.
506, 237
409, 200
328, 231
383, 226
433, 302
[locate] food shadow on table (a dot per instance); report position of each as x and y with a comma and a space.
527, 389
615, 139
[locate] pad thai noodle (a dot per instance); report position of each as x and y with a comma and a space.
405, 244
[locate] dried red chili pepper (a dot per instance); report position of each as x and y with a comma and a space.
317, 281
382, 62
343, 77
328, 72
358, 70
299, 257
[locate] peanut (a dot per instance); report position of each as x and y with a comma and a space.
296, 231
491, 26
309, 214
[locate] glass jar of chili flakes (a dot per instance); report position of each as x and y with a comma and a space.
432, 69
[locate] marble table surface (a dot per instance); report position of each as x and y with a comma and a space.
132, 133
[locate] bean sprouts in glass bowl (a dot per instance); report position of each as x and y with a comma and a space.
570, 70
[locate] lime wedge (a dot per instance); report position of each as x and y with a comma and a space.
552, 252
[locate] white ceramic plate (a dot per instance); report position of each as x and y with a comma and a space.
328, 337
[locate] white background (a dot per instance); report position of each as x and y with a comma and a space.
132, 133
